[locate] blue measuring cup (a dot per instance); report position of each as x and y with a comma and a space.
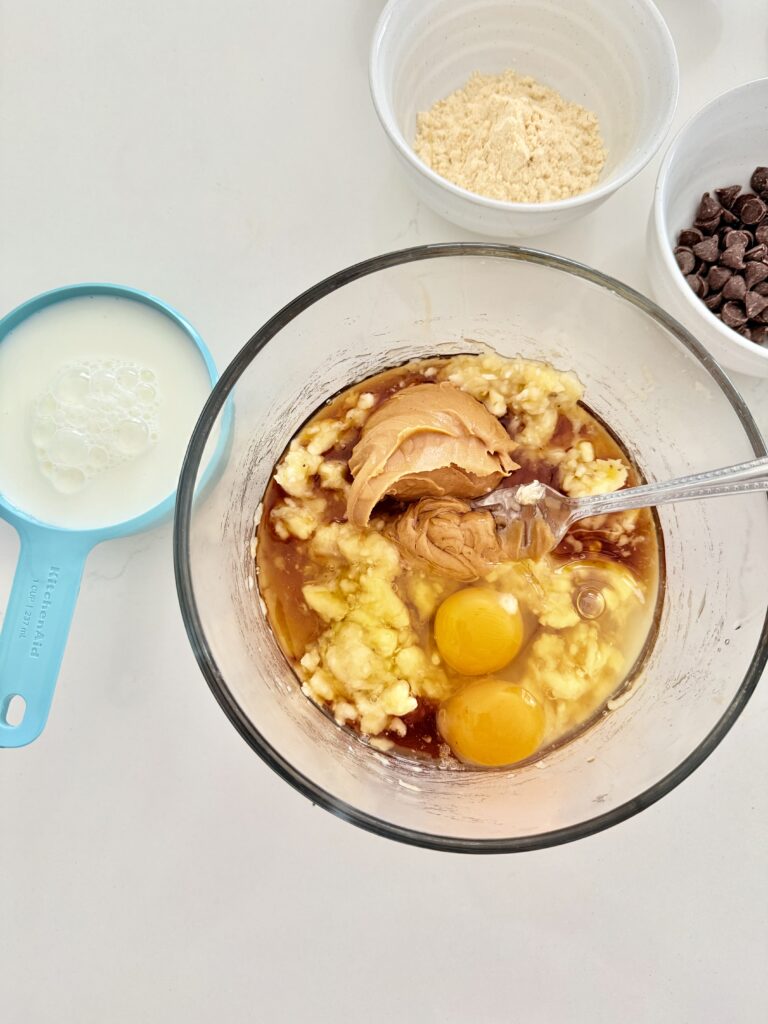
51, 560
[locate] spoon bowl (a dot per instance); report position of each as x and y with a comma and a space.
534, 518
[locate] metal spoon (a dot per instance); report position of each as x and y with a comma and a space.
541, 503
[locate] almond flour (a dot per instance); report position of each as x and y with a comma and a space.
508, 137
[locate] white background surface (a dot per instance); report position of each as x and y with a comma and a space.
225, 155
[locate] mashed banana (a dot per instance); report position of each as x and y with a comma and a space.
565, 665
304, 459
535, 392
581, 473
367, 663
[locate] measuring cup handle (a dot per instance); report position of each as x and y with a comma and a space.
35, 627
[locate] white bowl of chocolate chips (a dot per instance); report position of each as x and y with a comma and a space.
708, 230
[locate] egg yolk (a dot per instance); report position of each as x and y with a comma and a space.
478, 631
492, 723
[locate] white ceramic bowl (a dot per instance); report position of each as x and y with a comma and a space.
721, 145
617, 59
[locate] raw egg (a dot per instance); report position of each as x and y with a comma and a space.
478, 630
491, 722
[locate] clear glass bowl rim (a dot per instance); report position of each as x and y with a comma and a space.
196, 633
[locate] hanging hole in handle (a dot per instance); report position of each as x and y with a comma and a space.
15, 709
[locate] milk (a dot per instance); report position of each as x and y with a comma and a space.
98, 398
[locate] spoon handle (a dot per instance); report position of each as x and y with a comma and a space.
747, 476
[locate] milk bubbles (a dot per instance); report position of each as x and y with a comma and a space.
94, 415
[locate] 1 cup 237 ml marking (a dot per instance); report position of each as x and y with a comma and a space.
38, 604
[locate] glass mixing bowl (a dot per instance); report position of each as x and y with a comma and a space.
675, 412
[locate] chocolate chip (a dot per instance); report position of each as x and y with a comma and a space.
735, 288
689, 237
754, 274
714, 301
708, 226
760, 335
759, 179
717, 277
727, 195
762, 288
754, 304
745, 333
749, 208
709, 208
685, 259
707, 250
761, 234
733, 257
696, 283
733, 315
757, 252
734, 237
727, 218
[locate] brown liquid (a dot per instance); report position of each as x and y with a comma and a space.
284, 566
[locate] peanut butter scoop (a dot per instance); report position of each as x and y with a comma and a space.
427, 441
451, 538
447, 536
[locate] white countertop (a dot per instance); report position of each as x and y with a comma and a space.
152, 869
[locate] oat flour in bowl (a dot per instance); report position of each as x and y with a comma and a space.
508, 137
